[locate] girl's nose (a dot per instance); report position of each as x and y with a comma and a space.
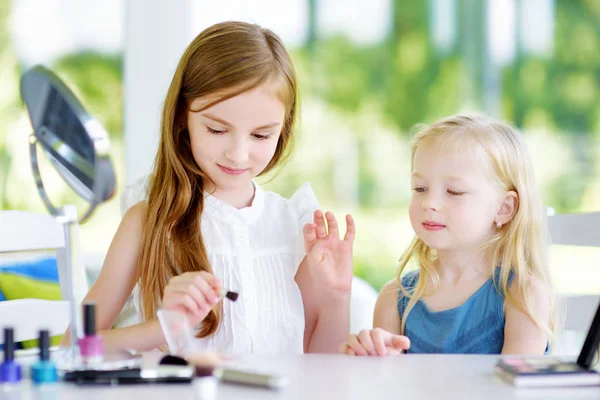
430, 202
237, 152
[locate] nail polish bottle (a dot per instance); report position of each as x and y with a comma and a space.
44, 371
10, 371
90, 346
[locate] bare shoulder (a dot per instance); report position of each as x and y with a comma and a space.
388, 297
533, 291
390, 289
136, 214
123, 251
386, 314
133, 222
539, 290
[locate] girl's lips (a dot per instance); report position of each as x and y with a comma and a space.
433, 226
231, 171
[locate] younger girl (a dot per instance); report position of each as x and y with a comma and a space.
483, 283
206, 225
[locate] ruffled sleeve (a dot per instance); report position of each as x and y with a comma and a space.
133, 194
304, 203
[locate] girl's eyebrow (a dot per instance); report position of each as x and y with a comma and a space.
452, 178
217, 119
227, 124
267, 126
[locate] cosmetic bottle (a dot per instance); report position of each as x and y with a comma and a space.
44, 371
10, 370
90, 345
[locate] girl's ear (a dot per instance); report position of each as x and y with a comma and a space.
508, 208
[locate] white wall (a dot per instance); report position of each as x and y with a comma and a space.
156, 34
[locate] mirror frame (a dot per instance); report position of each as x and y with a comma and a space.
101, 172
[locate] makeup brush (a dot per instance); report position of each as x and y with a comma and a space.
233, 296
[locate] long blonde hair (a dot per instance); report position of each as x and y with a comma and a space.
224, 60
520, 246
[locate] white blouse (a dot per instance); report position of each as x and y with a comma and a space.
255, 251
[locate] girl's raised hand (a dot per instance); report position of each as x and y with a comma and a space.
192, 293
375, 342
329, 257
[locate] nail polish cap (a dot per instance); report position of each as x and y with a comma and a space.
89, 319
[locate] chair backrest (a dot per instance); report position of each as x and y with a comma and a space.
28, 316
23, 232
576, 230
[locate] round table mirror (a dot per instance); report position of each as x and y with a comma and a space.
78, 147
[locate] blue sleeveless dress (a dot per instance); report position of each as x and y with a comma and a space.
475, 327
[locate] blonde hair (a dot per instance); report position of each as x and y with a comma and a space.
521, 245
223, 61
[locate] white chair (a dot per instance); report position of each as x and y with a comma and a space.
362, 305
21, 234
575, 230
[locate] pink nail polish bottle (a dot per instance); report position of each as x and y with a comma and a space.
90, 346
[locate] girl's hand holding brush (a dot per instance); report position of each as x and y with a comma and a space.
194, 294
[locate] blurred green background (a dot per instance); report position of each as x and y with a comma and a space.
359, 102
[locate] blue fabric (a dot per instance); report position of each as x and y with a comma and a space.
44, 269
475, 327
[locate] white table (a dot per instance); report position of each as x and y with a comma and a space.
315, 377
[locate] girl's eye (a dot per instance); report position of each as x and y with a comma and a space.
214, 131
260, 137
419, 189
455, 193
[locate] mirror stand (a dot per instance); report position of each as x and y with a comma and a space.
74, 271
